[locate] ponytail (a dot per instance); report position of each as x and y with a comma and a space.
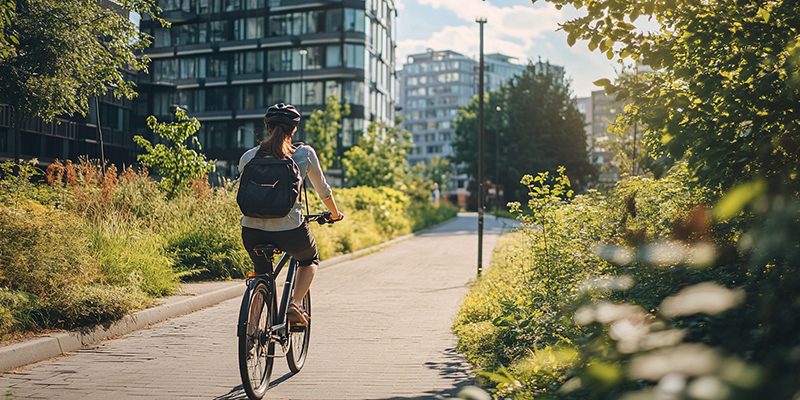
279, 143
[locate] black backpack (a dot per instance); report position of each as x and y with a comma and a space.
269, 187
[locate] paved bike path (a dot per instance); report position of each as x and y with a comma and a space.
381, 330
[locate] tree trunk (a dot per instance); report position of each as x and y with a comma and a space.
16, 119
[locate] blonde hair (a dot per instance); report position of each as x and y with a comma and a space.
279, 143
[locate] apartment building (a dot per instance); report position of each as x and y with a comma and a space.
225, 61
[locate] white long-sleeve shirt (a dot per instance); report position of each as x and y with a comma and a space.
306, 159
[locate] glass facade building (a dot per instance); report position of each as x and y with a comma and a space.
225, 61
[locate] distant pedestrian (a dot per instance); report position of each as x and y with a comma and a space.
435, 195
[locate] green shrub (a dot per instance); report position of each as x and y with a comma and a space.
86, 305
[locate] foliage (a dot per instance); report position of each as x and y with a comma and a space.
519, 315
64, 52
379, 159
537, 126
440, 171
177, 163
725, 75
323, 128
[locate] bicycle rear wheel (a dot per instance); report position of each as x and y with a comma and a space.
256, 352
299, 338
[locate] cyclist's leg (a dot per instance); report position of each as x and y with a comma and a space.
302, 246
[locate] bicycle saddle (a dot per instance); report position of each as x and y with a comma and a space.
262, 249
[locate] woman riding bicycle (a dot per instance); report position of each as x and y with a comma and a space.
290, 233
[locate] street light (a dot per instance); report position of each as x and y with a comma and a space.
303, 53
480, 21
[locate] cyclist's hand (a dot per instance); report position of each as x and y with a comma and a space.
341, 217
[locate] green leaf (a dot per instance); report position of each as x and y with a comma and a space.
738, 198
602, 82
764, 14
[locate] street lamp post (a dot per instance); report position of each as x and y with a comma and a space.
480, 21
497, 163
303, 53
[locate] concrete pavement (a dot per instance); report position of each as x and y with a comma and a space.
381, 330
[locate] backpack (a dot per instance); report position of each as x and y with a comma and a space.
269, 187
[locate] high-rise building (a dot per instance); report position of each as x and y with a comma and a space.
225, 61
432, 87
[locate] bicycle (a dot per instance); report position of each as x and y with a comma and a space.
262, 324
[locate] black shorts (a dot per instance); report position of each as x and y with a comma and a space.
298, 242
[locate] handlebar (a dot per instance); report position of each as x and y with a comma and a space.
324, 218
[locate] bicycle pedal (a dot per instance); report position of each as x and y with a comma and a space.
297, 328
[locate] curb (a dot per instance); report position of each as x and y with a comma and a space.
20, 354
51, 346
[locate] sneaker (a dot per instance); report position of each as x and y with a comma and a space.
296, 316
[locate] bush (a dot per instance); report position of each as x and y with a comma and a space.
89, 304
518, 319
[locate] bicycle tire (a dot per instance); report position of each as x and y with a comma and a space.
256, 352
299, 340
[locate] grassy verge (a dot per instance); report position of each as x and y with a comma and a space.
90, 246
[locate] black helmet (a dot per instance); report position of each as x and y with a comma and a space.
282, 113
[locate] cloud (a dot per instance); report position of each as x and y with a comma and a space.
522, 31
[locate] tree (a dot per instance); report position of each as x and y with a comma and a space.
537, 127
439, 170
379, 159
725, 88
177, 163
323, 128
65, 51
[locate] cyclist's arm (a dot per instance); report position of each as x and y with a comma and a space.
314, 173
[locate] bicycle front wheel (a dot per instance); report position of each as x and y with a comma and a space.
256, 351
299, 338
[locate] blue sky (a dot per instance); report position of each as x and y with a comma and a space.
516, 28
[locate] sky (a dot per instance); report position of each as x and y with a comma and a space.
515, 28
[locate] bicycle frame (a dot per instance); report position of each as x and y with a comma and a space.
278, 332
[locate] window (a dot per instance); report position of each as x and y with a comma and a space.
251, 97
165, 71
219, 31
354, 92
333, 56
314, 21
313, 93
333, 88
251, 62
433, 149
162, 37
248, 28
279, 93
354, 20
313, 58
280, 60
333, 20
412, 81
218, 65
187, 35
253, 4
192, 68
194, 100
280, 25
218, 99
233, 5
354, 55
